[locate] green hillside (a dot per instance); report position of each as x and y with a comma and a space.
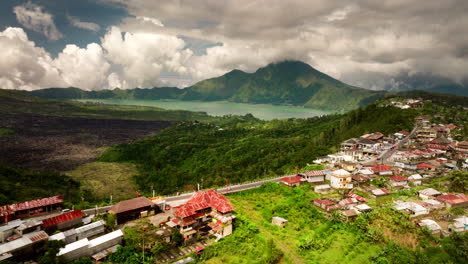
18, 102
137, 93
285, 83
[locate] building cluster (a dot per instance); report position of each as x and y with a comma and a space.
408, 103
399, 161
29, 225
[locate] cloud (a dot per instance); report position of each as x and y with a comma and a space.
33, 17
140, 57
151, 20
83, 25
352, 40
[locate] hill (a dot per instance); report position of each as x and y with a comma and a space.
12, 102
285, 83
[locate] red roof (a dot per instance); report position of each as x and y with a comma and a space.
451, 126
449, 197
62, 218
404, 132
398, 178
436, 146
314, 173
30, 204
425, 166
379, 168
204, 199
132, 204
358, 197
39, 236
292, 179
422, 117
324, 201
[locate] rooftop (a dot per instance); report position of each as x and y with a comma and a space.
62, 218
129, 205
30, 204
204, 199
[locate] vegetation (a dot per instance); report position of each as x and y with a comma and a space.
314, 236
17, 102
458, 181
6, 132
18, 185
243, 148
285, 83
105, 179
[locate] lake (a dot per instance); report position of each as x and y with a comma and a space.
265, 112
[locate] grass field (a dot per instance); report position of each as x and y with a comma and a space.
104, 179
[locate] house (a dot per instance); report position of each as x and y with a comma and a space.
279, 221
430, 224
292, 181
207, 210
341, 179
85, 247
165, 232
459, 224
432, 204
416, 179
376, 137
380, 169
412, 208
315, 176
380, 192
9, 229
22, 247
325, 204
357, 197
348, 203
423, 121
428, 193
426, 135
30, 208
453, 200
462, 147
131, 209
63, 221
359, 178
322, 188
349, 214
348, 166
28, 227
80, 233
426, 167
398, 181
363, 208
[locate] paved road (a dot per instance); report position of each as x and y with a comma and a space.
182, 198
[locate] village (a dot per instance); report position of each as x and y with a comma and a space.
362, 176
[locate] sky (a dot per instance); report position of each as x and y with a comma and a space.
104, 44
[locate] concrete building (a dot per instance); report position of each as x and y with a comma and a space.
22, 247
341, 179
85, 247
80, 233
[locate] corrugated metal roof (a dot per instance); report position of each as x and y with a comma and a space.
62, 218
105, 238
204, 199
314, 173
292, 179
23, 241
30, 204
74, 246
132, 204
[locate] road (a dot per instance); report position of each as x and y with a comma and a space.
183, 198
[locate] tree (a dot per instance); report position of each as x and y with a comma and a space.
458, 181
177, 237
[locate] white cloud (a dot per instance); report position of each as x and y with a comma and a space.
33, 17
151, 20
83, 25
140, 57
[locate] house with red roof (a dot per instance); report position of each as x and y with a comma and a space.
292, 181
63, 221
325, 204
398, 181
426, 167
204, 211
453, 200
380, 169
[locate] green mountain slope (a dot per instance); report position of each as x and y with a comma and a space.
137, 93
286, 83
18, 102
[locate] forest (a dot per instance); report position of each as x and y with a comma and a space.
244, 148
